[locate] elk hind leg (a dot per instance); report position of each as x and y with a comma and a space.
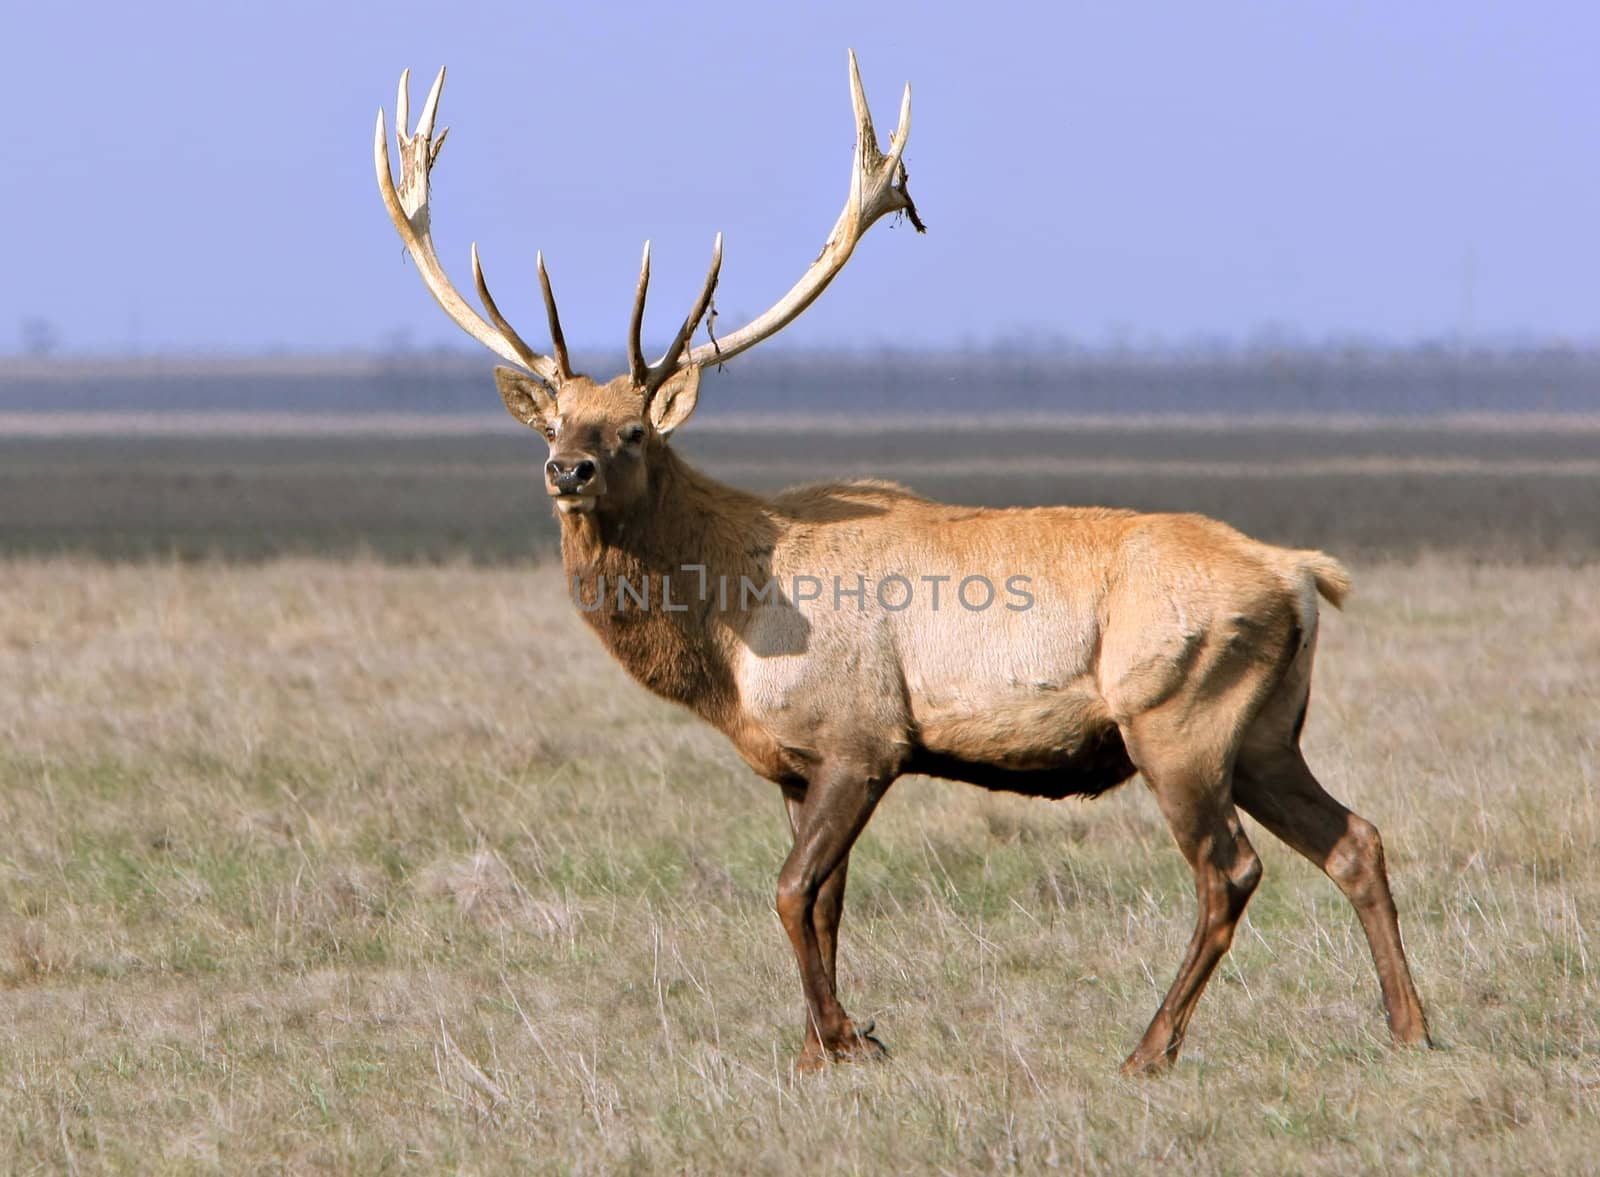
1194, 797
1274, 785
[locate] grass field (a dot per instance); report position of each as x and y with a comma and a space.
308, 867
1520, 489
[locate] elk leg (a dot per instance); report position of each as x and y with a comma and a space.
824, 920
1279, 791
1226, 871
830, 909
827, 820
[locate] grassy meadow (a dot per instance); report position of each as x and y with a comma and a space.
349, 862
1498, 489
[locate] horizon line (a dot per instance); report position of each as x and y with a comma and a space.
282, 361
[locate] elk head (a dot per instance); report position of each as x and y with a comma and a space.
602, 436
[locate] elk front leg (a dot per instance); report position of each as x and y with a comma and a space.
829, 909
827, 818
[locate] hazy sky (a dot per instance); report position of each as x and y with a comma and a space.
200, 176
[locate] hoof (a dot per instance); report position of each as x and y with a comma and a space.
860, 1046
852, 1046
1414, 1036
1139, 1066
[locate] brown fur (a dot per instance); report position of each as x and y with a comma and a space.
1171, 645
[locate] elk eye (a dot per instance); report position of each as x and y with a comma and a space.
631, 434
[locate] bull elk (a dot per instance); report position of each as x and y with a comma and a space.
1168, 645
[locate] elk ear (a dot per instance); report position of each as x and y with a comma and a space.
526, 398
675, 400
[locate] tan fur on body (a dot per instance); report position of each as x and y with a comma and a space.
1170, 644
1016, 688
1099, 642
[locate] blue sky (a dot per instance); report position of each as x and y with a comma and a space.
199, 176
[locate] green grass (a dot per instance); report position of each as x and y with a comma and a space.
309, 868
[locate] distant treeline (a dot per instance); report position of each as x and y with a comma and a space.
1364, 380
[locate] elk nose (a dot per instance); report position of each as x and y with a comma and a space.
570, 478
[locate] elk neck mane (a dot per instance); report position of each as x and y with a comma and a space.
686, 520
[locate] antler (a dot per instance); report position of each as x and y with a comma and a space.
877, 187
651, 376
408, 209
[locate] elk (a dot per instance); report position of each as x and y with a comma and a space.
1169, 645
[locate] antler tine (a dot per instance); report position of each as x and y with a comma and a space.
877, 187
408, 209
558, 341
430, 107
402, 101
637, 368
866, 137
668, 363
528, 356
902, 132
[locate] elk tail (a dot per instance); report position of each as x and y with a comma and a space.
1333, 581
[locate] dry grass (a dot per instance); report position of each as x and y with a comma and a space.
339, 866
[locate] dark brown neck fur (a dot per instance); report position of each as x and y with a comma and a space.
684, 518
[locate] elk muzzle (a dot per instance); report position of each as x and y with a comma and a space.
574, 481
